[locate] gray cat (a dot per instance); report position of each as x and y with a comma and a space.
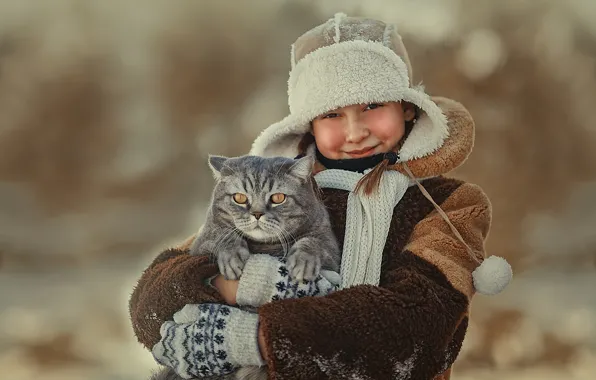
265, 205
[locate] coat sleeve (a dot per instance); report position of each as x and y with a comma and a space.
410, 326
173, 280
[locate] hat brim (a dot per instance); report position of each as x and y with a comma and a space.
346, 73
282, 138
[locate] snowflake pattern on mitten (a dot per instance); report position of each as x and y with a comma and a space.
200, 347
288, 287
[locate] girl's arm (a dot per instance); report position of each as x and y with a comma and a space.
213, 339
176, 279
173, 280
413, 324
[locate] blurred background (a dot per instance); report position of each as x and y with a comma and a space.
108, 110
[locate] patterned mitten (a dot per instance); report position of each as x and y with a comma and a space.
266, 278
208, 339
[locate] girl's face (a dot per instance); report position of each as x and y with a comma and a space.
360, 130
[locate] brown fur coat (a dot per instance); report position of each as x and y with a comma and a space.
417, 317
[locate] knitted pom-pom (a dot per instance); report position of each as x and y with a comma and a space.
492, 276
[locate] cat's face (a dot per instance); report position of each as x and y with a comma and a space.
267, 199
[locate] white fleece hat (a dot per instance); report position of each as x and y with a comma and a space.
346, 61
350, 60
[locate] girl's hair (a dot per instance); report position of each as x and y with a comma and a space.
371, 181
307, 140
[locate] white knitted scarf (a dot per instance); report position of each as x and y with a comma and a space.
368, 218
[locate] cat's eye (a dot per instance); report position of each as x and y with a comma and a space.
278, 198
240, 198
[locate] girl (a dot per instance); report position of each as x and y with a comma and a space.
413, 240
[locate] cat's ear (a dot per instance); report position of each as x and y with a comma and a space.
302, 168
216, 163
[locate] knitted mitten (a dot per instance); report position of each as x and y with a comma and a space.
208, 339
266, 278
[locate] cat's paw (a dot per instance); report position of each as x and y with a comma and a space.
231, 263
303, 265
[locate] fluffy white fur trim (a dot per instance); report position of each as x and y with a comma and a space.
351, 72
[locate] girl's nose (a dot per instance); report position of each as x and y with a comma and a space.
356, 131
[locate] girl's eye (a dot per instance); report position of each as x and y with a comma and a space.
373, 106
330, 116
278, 198
240, 198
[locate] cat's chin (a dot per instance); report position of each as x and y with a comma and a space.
259, 235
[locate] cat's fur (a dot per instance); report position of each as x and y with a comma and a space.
299, 228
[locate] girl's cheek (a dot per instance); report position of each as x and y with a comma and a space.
329, 138
389, 129
388, 133
335, 143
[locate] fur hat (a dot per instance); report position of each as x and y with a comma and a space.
345, 61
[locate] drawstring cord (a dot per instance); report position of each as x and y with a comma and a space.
442, 213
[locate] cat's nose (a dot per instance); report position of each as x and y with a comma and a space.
257, 215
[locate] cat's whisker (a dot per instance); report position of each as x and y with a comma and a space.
223, 236
228, 233
242, 224
288, 239
245, 224
283, 242
241, 234
292, 237
220, 244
